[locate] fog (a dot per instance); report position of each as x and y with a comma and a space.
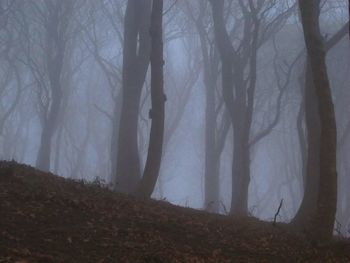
70, 75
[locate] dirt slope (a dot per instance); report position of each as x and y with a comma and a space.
45, 218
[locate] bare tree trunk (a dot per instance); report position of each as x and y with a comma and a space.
50, 124
240, 175
239, 92
114, 138
211, 174
308, 205
56, 27
154, 156
323, 220
227, 55
135, 64
212, 155
236, 108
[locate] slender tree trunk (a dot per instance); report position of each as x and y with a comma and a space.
323, 220
211, 173
239, 97
226, 52
301, 135
243, 116
135, 64
212, 156
114, 138
154, 156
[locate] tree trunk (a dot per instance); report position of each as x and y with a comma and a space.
311, 172
323, 220
44, 154
212, 161
114, 138
212, 154
226, 52
240, 174
55, 52
308, 205
154, 155
135, 64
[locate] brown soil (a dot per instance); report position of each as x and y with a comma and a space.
45, 218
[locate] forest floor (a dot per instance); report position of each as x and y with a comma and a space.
45, 218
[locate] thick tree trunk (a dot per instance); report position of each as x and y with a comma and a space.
240, 174
44, 154
308, 205
154, 156
323, 220
55, 52
50, 123
135, 64
310, 156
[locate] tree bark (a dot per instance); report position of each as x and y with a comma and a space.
136, 55
321, 224
154, 155
311, 173
308, 205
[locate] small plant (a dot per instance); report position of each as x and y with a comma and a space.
338, 227
99, 182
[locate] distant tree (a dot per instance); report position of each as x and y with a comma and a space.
58, 15
47, 30
10, 76
107, 17
217, 123
239, 55
320, 224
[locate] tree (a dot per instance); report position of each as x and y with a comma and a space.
56, 29
47, 28
156, 113
239, 81
310, 152
10, 70
320, 224
136, 53
216, 118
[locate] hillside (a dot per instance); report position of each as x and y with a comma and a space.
45, 218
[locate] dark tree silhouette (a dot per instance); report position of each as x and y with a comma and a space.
320, 224
156, 113
136, 54
311, 146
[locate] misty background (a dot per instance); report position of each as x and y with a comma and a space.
83, 144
